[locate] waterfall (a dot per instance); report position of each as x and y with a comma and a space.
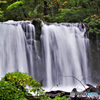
12, 49
57, 59
66, 58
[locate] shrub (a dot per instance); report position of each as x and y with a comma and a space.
94, 24
10, 92
13, 86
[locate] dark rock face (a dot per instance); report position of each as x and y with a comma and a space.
37, 24
87, 30
95, 57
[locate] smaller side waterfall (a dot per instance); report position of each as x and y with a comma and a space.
12, 49
30, 35
65, 47
19, 50
33, 57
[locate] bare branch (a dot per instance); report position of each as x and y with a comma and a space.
76, 79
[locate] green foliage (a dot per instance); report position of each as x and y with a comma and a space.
77, 10
94, 24
58, 97
3, 1
21, 80
34, 12
10, 92
49, 10
75, 14
1, 14
22, 10
1, 11
13, 85
15, 5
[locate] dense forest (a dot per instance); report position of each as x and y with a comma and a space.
53, 11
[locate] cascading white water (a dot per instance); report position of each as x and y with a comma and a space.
31, 48
12, 49
29, 30
65, 47
18, 48
61, 57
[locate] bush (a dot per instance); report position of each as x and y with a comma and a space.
13, 86
10, 92
94, 24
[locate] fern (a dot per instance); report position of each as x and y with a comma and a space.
15, 5
35, 12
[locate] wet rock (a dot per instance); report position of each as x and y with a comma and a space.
87, 94
52, 94
37, 24
74, 90
90, 88
98, 89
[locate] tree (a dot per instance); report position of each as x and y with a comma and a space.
1, 11
22, 9
49, 10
